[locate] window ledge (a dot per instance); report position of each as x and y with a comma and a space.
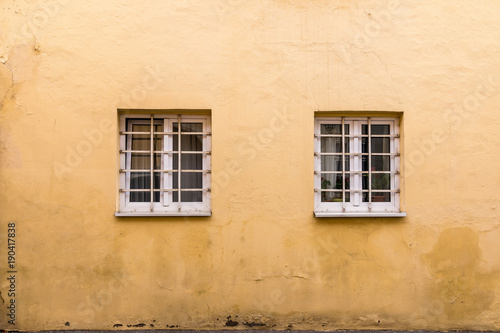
157, 214
324, 214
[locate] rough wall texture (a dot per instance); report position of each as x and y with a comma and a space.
262, 258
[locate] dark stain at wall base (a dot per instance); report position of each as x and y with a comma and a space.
230, 322
253, 324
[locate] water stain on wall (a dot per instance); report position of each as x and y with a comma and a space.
462, 291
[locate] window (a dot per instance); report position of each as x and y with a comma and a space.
159, 176
357, 167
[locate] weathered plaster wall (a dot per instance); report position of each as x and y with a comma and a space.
262, 258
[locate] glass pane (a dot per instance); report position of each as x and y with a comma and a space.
142, 161
364, 163
142, 180
381, 129
140, 142
378, 197
189, 180
333, 129
189, 127
376, 129
381, 197
139, 180
194, 196
192, 142
381, 181
381, 145
189, 142
192, 179
380, 163
334, 197
333, 181
334, 145
175, 186
364, 181
191, 162
333, 163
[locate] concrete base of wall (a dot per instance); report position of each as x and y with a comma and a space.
250, 330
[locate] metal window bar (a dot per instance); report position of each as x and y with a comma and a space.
165, 151
372, 154
179, 161
160, 170
349, 190
152, 170
369, 154
166, 133
343, 164
166, 190
355, 172
151, 166
357, 135
369, 163
392, 178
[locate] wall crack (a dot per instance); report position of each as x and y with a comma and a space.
6, 83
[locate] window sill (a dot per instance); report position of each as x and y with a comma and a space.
157, 214
376, 214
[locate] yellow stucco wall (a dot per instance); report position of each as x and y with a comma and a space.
262, 258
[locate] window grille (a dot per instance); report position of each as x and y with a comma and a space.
356, 166
165, 164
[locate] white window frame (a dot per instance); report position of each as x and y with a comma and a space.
166, 206
356, 207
